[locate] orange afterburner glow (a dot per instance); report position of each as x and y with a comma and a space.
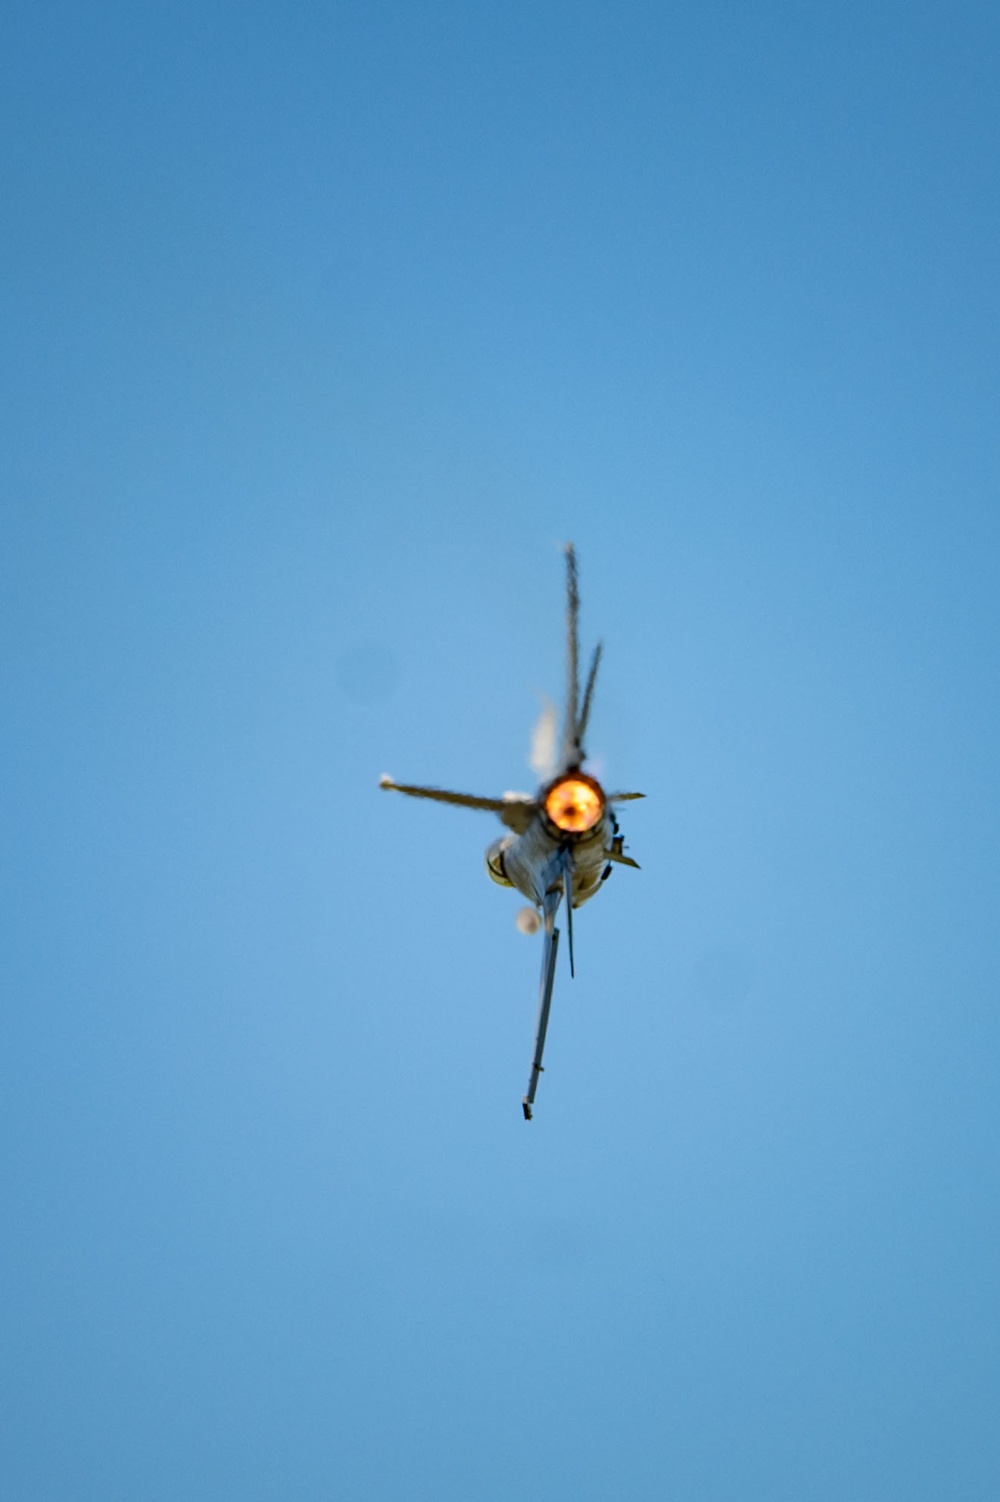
574, 804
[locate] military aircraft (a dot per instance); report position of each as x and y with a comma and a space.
563, 841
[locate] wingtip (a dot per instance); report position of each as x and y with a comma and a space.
385, 781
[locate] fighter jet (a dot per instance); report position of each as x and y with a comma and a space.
564, 841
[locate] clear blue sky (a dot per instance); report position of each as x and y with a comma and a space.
324, 327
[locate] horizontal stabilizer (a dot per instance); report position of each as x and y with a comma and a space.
623, 797
588, 699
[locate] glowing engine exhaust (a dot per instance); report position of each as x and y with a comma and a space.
574, 804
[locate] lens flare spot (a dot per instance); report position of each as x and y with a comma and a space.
574, 805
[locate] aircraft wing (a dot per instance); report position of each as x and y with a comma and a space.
562, 870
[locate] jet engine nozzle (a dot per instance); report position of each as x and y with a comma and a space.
574, 804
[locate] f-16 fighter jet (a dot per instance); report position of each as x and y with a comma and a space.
563, 841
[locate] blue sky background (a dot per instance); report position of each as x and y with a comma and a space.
325, 326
